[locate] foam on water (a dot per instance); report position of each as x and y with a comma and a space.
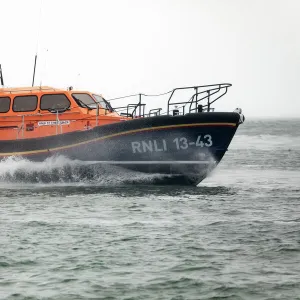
13, 164
62, 170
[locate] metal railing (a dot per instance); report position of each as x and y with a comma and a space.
208, 92
203, 96
133, 110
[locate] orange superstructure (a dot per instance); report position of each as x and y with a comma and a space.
33, 112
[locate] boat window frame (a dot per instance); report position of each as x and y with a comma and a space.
107, 104
83, 93
22, 96
4, 112
59, 94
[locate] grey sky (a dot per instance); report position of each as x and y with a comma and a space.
124, 47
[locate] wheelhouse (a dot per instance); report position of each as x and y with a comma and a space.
42, 111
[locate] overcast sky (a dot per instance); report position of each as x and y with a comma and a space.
118, 47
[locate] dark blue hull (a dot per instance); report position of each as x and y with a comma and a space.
183, 149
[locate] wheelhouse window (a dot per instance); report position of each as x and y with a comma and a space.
54, 101
84, 100
104, 104
4, 104
25, 103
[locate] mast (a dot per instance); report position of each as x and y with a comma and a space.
37, 41
35, 58
1, 76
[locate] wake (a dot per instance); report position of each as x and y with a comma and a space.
60, 169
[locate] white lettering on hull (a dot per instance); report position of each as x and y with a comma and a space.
180, 143
149, 146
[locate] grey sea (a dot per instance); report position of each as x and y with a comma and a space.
235, 236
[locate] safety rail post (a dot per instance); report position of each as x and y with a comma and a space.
97, 114
56, 122
196, 105
23, 122
140, 102
168, 110
208, 103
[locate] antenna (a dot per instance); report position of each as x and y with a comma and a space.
1, 76
35, 58
37, 42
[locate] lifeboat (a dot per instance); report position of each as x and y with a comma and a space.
182, 144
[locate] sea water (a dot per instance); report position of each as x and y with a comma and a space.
235, 236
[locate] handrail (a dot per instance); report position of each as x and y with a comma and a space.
221, 85
134, 107
207, 96
208, 91
154, 111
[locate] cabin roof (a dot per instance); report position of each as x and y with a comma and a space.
17, 90
39, 89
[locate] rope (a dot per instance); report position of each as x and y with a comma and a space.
145, 95
156, 95
123, 97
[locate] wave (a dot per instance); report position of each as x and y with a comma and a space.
60, 169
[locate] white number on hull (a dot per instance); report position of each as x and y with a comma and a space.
181, 143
